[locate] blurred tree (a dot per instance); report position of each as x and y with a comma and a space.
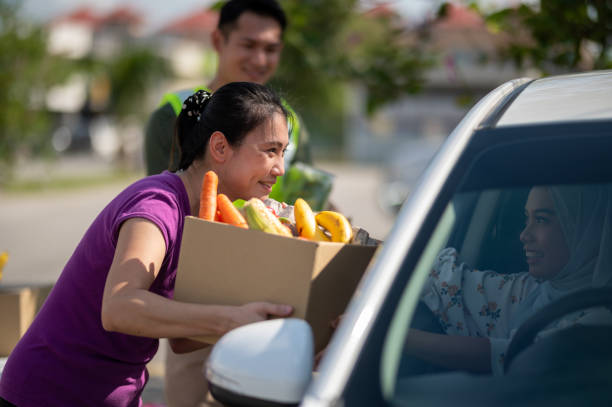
121, 83
333, 43
27, 72
330, 44
571, 35
131, 76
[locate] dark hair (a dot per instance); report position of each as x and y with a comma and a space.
234, 109
233, 9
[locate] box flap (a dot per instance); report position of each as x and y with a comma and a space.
334, 284
226, 265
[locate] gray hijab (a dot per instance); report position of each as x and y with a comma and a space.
585, 214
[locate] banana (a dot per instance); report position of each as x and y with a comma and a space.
336, 224
305, 222
259, 217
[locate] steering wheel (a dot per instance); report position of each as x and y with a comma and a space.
525, 335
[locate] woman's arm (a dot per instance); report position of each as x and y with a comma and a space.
128, 307
455, 352
185, 345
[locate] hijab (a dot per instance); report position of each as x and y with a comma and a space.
585, 215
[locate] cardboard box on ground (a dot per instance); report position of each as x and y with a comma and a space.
19, 305
227, 265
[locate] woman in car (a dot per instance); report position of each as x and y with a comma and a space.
100, 325
567, 241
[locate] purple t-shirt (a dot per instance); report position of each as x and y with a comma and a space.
66, 358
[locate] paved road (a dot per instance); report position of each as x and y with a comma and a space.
41, 230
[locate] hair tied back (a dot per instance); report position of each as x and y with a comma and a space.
194, 105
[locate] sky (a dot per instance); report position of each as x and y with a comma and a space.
158, 12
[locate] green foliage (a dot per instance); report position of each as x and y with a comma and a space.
381, 60
558, 32
27, 72
330, 44
132, 74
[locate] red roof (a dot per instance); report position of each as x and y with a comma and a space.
458, 16
80, 15
195, 24
381, 10
122, 15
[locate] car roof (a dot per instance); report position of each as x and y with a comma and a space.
574, 97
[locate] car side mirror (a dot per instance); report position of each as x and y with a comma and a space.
264, 363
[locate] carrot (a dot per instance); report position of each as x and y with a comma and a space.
208, 196
229, 213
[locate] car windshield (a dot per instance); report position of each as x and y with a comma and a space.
497, 259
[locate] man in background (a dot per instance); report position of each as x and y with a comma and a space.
248, 41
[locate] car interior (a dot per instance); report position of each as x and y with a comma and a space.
569, 366
534, 369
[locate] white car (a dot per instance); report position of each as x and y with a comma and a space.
472, 196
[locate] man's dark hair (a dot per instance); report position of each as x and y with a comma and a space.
233, 9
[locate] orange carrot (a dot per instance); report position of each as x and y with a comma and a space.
229, 213
208, 196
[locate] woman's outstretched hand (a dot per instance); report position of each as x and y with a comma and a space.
333, 324
260, 311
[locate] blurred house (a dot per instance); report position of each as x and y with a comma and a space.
186, 44
82, 32
406, 134
467, 67
80, 103
72, 35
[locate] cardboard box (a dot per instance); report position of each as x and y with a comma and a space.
18, 307
226, 265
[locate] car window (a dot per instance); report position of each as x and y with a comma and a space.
497, 258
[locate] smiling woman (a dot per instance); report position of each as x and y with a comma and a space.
565, 241
100, 325
543, 240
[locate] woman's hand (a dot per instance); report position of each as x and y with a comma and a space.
333, 324
259, 311
469, 353
129, 308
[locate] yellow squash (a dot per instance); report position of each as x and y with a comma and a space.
259, 217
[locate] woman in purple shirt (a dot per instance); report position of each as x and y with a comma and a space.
99, 327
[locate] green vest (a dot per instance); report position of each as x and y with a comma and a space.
175, 100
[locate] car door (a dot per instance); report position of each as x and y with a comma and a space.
479, 211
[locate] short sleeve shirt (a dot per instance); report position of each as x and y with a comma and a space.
66, 358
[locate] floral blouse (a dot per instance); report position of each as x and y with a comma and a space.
471, 302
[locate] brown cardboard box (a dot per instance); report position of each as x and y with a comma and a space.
226, 265
18, 307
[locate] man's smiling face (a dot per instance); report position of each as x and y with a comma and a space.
250, 50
